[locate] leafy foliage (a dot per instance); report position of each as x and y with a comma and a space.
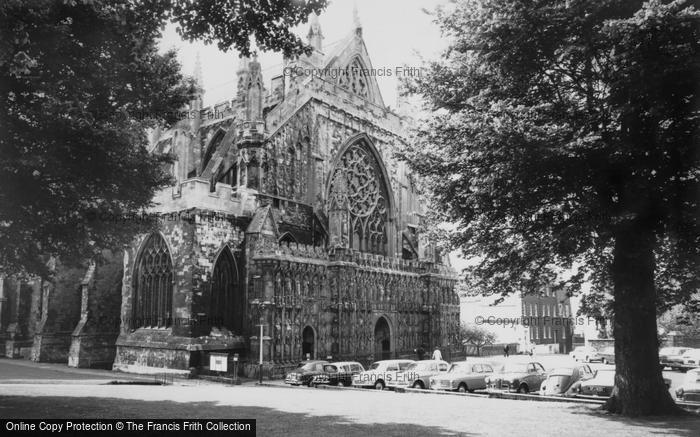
565, 137
531, 150
476, 336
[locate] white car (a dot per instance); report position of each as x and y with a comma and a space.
691, 359
418, 374
379, 372
586, 354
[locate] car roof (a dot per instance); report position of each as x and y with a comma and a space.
395, 361
344, 363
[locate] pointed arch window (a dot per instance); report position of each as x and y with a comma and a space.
359, 182
153, 285
354, 78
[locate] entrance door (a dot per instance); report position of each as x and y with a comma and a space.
308, 341
382, 340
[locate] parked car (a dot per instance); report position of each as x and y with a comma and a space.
602, 384
462, 376
304, 373
565, 381
340, 372
672, 357
518, 377
586, 354
691, 359
607, 355
379, 372
418, 374
689, 390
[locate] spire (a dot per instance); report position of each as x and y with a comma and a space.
356, 20
198, 72
315, 36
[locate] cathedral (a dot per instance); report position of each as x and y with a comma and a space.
291, 231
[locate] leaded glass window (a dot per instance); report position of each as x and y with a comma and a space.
153, 285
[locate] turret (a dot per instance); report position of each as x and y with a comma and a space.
315, 36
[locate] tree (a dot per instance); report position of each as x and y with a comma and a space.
476, 336
564, 135
80, 81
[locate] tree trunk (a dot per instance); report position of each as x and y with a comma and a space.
639, 387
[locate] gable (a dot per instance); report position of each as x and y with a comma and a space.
353, 69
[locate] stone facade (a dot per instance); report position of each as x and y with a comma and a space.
289, 211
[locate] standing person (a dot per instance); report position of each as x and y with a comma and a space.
506, 351
420, 352
436, 354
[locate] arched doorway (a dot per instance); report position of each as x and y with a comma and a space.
225, 303
308, 338
382, 340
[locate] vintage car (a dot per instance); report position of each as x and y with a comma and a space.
672, 357
565, 381
379, 372
602, 384
418, 374
462, 376
689, 391
305, 372
691, 359
586, 354
518, 377
340, 372
607, 355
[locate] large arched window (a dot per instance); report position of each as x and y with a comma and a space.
359, 181
225, 306
153, 285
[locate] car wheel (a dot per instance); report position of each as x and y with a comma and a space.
523, 389
418, 384
379, 385
462, 388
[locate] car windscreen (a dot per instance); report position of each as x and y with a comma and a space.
374, 366
309, 367
460, 367
425, 365
515, 368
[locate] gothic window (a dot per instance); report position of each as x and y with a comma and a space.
225, 309
153, 285
287, 238
358, 181
354, 78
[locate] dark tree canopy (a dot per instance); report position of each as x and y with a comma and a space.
565, 136
76, 79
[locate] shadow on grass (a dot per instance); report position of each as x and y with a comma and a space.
684, 425
269, 421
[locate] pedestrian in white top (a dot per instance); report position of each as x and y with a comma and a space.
436, 354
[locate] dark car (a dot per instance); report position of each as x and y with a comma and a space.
565, 381
305, 372
672, 357
517, 377
340, 372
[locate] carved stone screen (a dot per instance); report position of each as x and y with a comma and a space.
358, 185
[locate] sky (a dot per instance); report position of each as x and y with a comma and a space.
396, 33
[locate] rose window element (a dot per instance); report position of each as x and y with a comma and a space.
357, 183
